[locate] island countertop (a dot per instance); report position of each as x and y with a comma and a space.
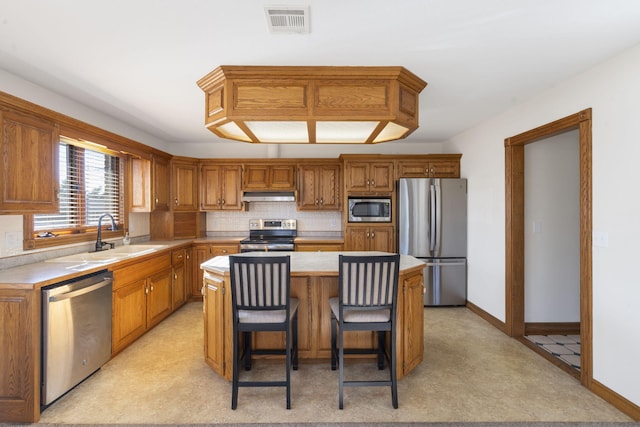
309, 263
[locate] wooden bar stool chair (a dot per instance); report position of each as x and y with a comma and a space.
261, 301
367, 296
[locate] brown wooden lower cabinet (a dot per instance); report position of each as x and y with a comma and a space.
142, 297
201, 253
314, 321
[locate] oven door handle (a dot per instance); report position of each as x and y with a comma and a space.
76, 293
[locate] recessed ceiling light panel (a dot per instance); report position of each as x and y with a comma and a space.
287, 19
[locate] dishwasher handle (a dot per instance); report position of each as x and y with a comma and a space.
75, 293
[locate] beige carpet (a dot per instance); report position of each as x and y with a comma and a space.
472, 373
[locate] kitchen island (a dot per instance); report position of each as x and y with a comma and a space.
314, 279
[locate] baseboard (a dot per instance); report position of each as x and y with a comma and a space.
552, 328
486, 316
624, 405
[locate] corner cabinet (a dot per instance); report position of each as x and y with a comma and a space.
220, 187
29, 149
319, 186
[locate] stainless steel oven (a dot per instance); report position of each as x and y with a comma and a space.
76, 332
270, 235
365, 209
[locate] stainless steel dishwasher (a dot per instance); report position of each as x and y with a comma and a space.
76, 332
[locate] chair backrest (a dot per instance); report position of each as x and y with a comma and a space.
368, 282
260, 283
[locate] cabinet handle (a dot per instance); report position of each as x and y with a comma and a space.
426, 171
367, 234
368, 182
373, 182
373, 234
175, 276
224, 251
151, 288
188, 257
223, 201
156, 200
146, 290
176, 201
317, 202
180, 256
321, 201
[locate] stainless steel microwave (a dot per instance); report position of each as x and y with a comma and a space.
369, 209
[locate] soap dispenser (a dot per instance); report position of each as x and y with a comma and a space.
126, 240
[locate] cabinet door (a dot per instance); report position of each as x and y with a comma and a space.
129, 314
140, 183
201, 253
282, 177
357, 176
356, 238
188, 273
214, 326
211, 187
178, 296
444, 169
412, 306
329, 188
159, 297
381, 238
29, 149
318, 247
308, 187
413, 169
184, 186
231, 179
381, 177
255, 177
160, 184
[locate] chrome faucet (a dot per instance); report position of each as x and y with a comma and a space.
99, 243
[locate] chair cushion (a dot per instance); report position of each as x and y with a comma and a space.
359, 316
267, 316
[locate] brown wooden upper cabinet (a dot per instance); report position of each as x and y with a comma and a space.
259, 177
29, 149
220, 187
445, 166
319, 186
184, 184
374, 176
161, 179
140, 185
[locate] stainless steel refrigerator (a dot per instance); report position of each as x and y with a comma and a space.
432, 226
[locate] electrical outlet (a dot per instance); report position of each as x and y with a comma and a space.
333, 222
600, 239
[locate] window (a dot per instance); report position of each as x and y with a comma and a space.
91, 184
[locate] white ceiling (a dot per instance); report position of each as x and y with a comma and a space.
139, 60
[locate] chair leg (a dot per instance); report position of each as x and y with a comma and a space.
288, 366
393, 369
333, 342
341, 368
295, 341
247, 351
381, 350
235, 374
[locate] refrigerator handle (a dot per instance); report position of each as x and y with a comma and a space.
438, 222
432, 219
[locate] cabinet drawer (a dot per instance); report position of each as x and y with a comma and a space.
178, 256
218, 250
140, 270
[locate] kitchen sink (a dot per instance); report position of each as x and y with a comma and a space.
108, 256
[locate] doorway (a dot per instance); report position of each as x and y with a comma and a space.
515, 230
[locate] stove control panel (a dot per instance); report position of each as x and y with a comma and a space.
273, 224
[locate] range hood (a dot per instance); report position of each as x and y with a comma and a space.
268, 196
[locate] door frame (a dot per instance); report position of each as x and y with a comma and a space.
514, 232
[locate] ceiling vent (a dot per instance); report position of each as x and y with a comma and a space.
287, 20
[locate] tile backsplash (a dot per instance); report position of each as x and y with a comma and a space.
309, 222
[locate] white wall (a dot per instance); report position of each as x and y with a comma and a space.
612, 89
552, 229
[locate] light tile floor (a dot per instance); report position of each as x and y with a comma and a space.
564, 347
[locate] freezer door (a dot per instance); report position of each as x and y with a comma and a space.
445, 282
